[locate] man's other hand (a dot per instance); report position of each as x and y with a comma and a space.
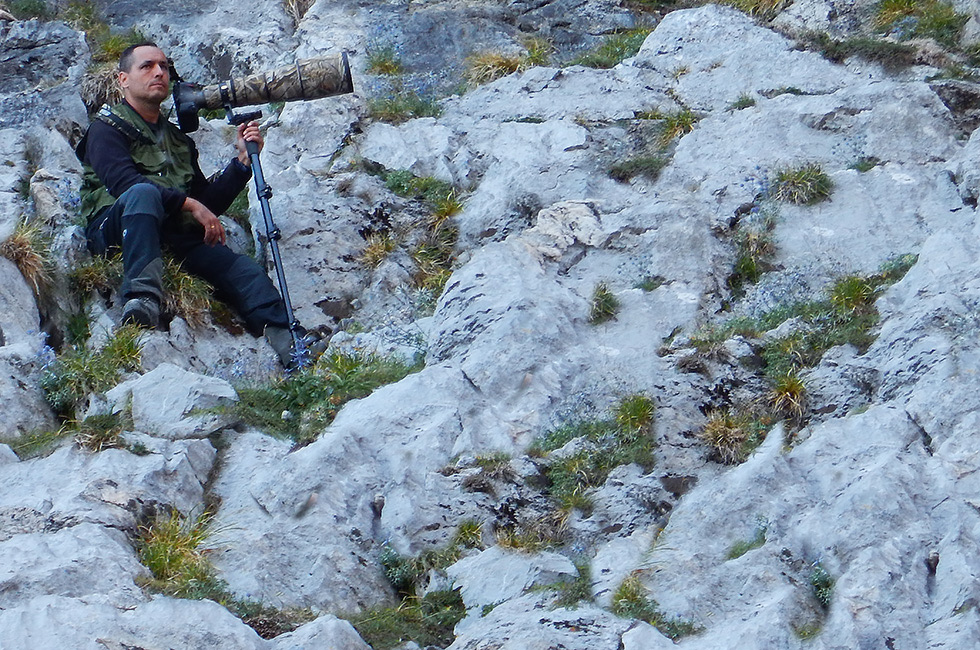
248, 133
214, 232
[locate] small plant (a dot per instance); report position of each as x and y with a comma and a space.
647, 166
740, 548
677, 124
79, 371
100, 432
789, 395
570, 593
634, 414
427, 621
888, 54
186, 295
754, 251
803, 185
434, 258
377, 248
174, 548
614, 49
762, 9
865, 164
35, 444
651, 283
29, 249
314, 397
28, 9
853, 293
484, 67
921, 18
445, 208
733, 435
744, 101
384, 60
607, 444
630, 600
605, 305
402, 105
296, 9
97, 274
822, 585
807, 631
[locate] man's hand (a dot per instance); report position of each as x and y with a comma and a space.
214, 232
248, 133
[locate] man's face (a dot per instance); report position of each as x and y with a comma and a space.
148, 78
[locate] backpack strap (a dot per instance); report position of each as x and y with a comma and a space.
106, 115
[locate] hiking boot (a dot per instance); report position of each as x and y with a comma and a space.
142, 311
281, 340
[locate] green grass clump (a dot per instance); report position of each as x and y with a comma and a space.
605, 305
803, 185
624, 439
428, 621
28, 9
754, 252
647, 166
743, 101
614, 49
484, 67
921, 19
175, 548
406, 573
35, 444
402, 105
313, 397
100, 432
630, 600
740, 548
97, 274
889, 54
569, 593
676, 124
762, 9
734, 435
634, 414
384, 60
80, 371
651, 283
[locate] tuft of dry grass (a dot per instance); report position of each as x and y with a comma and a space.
28, 248
100, 86
377, 249
187, 296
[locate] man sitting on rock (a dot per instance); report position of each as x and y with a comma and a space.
143, 190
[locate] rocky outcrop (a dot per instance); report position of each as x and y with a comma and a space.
870, 500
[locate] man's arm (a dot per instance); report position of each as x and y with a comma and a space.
108, 155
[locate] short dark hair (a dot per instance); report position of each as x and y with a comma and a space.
126, 58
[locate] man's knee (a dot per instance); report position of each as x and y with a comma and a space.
142, 198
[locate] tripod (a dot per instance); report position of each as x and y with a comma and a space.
301, 354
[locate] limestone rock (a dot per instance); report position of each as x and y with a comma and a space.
325, 631
496, 575
175, 403
112, 487
75, 562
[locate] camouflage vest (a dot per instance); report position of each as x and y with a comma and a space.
164, 159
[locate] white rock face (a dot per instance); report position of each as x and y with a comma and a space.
878, 490
175, 404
